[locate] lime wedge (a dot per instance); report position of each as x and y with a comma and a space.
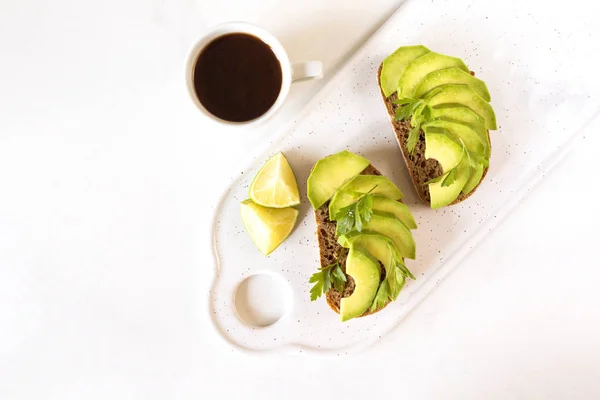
268, 227
275, 184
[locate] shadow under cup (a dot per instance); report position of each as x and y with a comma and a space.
237, 77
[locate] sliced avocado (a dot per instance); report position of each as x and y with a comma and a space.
466, 116
449, 154
379, 183
394, 229
385, 205
377, 245
442, 196
476, 174
394, 64
332, 172
340, 200
349, 192
463, 95
459, 131
457, 113
420, 67
452, 75
381, 248
381, 204
366, 274
442, 148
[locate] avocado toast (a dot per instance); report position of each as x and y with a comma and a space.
364, 235
441, 118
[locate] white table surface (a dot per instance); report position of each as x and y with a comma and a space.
109, 178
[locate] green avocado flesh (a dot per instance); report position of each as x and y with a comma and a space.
460, 132
332, 172
379, 183
476, 174
366, 274
420, 67
443, 196
465, 116
457, 113
445, 150
394, 229
463, 95
378, 246
451, 75
448, 153
394, 65
358, 185
385, 205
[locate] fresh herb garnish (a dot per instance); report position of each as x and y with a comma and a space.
409, 107
420, 112
400, 279
447, 179
396, 276
323, 280
385, 293
413, 138
397, 261
398, 273
352, 217
382, 296
450, 177
338, 278
424, 114
478, 159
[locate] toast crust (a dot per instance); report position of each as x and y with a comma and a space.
401, 130
330, 251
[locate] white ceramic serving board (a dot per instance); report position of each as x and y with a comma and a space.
544, 93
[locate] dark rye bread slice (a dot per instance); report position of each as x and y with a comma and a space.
420, 169
330, 252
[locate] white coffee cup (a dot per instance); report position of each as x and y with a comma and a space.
290, 72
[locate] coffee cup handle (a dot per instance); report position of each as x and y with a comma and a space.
302, 71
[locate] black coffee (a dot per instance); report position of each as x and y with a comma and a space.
237, 77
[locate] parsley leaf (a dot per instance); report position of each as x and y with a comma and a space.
447, 179
345, 220
390, 288
317, 290
425, 113
398, 267
479, 159
364, 211
357, 219
450, 178
435, 180
405, 271
413, 138
389, 272
409, 107
382, 296
400, 280
421, 114
325, 278
352, 217
339, 278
